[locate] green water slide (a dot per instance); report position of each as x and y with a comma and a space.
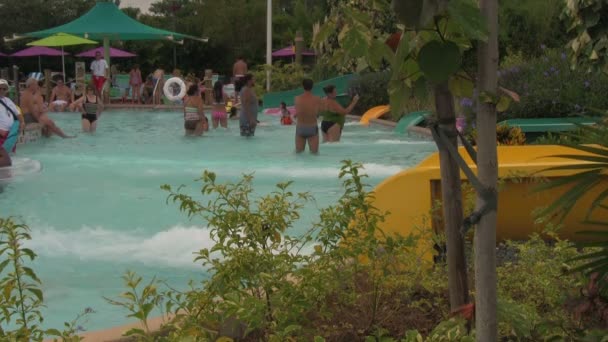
543, 125
273, 100
411, 119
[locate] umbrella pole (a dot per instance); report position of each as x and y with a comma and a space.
39, 64
63, 64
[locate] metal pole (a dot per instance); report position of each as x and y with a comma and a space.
268, 42
63, 64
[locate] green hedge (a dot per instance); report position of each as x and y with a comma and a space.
549, 87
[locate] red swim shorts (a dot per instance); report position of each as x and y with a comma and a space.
99, 81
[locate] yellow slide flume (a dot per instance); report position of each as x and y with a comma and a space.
409, 195
374, 113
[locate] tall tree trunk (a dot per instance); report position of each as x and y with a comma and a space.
451, 192
487, 166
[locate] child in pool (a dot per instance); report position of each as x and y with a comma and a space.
285, 115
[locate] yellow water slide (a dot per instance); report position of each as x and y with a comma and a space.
374, 113
410, 194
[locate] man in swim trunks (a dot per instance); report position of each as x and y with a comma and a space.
60, 97
32, 106
249, 107
99, 68
307, 109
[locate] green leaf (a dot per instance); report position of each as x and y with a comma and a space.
466, 15
36, 292
53, 332
319, 339
30, 273
378, 52
439, 60
3, 265
398, 95
408, 12
355, 42
461, 86
503, 104
324, 32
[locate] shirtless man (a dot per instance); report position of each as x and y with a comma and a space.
33, 109
60, 97
239, 69
307, 109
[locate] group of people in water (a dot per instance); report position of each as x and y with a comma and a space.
308, 109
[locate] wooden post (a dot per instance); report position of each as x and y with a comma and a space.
208, 83
47, 84
486, 320
16, 83
451, 199
299, 46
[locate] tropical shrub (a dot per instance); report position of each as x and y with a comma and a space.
283, 77
22, 298
371, 88
549, 87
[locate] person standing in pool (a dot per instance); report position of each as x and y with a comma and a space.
195, 121
249, 106
334, 115
307, 109
92, 108
219, 116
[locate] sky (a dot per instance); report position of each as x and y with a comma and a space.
142, 4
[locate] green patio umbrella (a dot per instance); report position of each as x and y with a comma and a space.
106, 22
62, 39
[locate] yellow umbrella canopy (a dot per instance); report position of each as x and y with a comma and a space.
62, 39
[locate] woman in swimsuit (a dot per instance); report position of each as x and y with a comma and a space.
92, 108
220, 99
334, 115
135, 82
77, 95
195, 121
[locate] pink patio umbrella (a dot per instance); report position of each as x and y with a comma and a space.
2, 54
290, 51
114, 53
39, 51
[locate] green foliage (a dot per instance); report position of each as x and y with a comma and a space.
429, 50
351, 39
587, 21
538, 301
71, 329
283, 77
339, 278
371, 88
21, 298
527, 26
548, 87
590, 177
139, 303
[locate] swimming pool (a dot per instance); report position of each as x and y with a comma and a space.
97, 209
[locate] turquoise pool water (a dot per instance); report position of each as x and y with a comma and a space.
96, 209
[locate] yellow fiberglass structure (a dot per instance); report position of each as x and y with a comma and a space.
374, 113
409, 196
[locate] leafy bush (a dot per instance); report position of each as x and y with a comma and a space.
283, 77
22, 297
373, 91
550, 88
